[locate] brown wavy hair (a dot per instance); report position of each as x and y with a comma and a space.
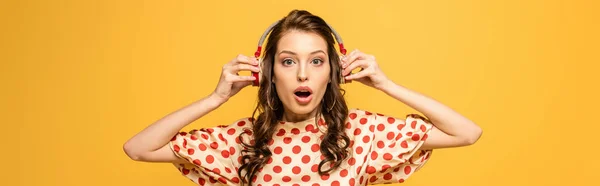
333, 108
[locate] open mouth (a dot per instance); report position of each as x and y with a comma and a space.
303, 94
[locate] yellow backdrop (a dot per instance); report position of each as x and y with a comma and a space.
81, 77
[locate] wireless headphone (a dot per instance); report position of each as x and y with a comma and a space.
262, 39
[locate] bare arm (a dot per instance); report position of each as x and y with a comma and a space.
451, 129
151, 144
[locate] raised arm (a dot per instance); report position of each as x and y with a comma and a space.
451, 129
151, 144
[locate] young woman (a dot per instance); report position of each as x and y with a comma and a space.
304, 133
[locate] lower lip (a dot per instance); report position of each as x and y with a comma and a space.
303, 100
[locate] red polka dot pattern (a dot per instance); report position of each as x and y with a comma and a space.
395, 153
384, 150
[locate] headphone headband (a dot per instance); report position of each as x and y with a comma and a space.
337, 36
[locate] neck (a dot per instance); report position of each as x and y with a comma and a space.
290, 116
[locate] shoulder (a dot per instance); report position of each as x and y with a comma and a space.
245, 122
366, 117
360, 120
359, 114
222, 131
240, 123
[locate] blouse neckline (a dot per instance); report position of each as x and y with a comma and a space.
304, 126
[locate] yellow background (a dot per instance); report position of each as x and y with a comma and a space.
79, 78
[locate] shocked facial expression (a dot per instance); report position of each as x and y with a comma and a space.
301, 71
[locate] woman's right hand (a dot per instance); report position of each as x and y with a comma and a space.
231, 82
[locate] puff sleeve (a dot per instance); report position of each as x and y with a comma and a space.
395, 149
211, 154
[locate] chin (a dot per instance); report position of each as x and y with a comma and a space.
302, 109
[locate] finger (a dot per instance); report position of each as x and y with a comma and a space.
242, 84
241, 67
246, 83
353, 52
359, 75
235, 78
357, 55
359, 63
245, 60
345, 57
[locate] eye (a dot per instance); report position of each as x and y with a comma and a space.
317, 61
288, 62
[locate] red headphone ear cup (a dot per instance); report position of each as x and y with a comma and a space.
256, 79
257, 75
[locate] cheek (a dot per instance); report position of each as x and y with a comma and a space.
323, 74
279, 80
279, 74
322, 82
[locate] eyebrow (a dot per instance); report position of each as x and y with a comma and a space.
293, 53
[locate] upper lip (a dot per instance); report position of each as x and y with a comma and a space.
303, 88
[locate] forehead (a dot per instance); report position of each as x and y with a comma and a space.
301, 42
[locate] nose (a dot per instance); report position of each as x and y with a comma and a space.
302, 75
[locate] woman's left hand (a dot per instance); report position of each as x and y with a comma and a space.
370, 74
